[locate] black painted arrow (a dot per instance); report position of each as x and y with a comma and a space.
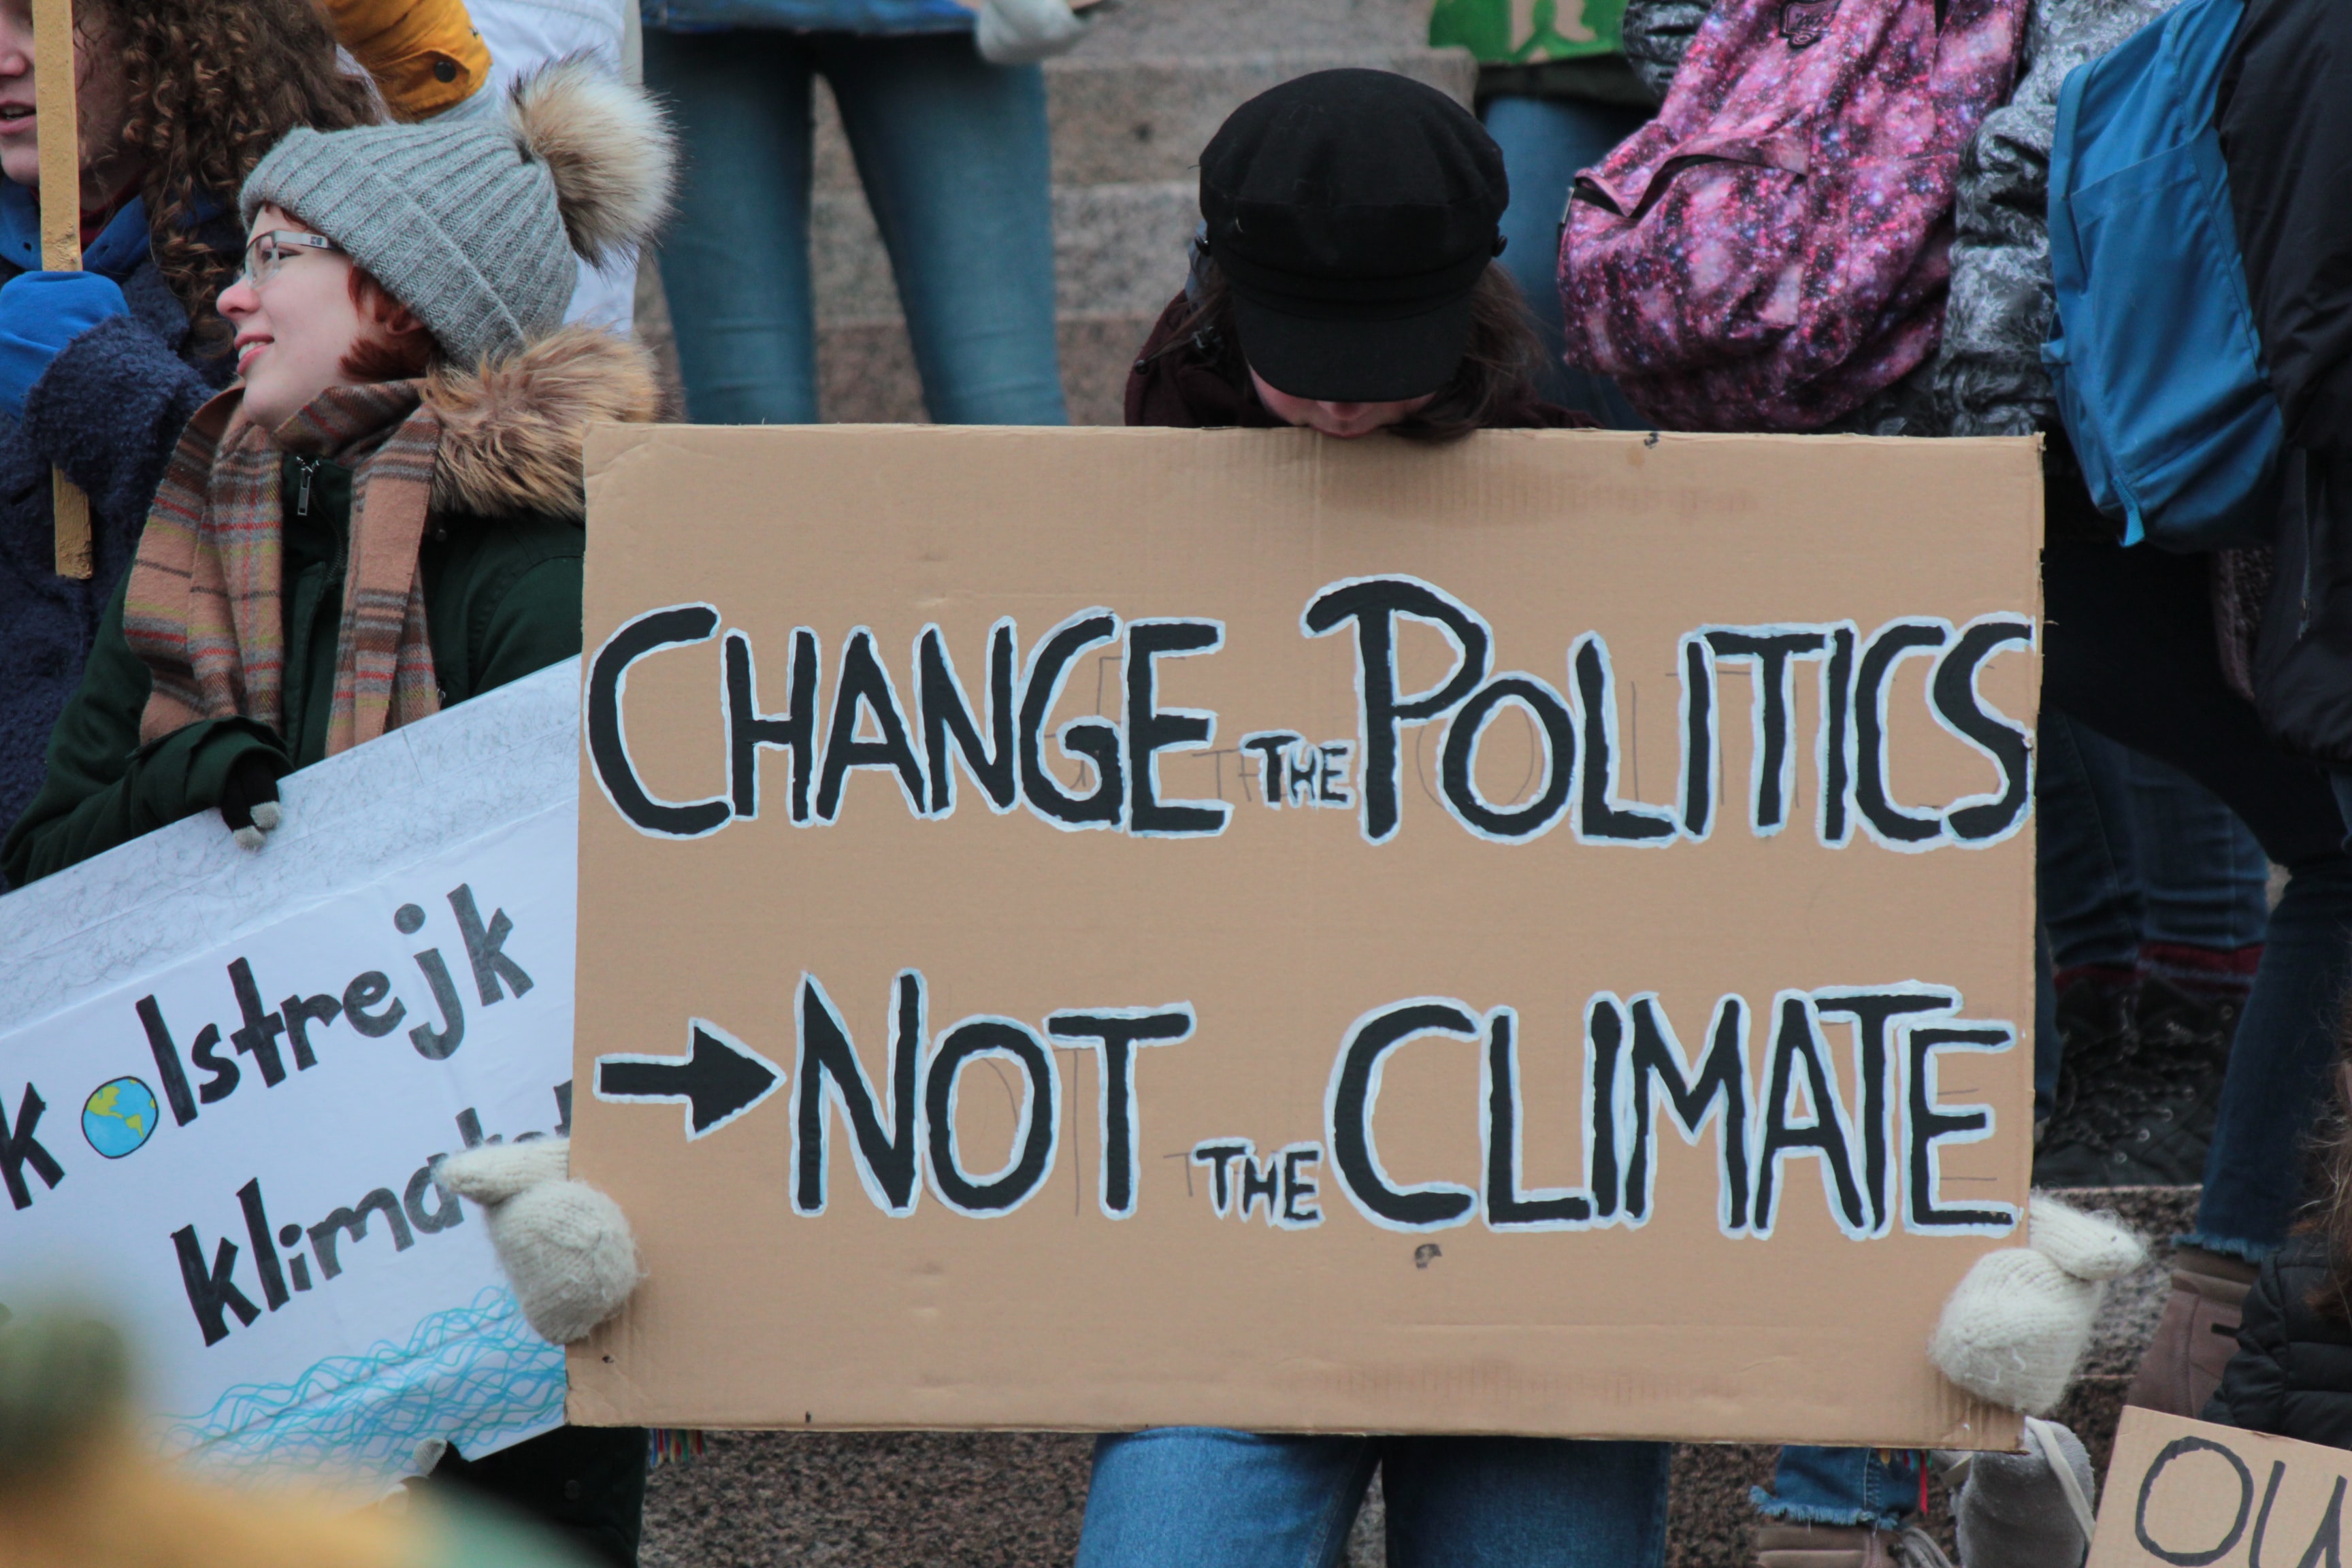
718, 1079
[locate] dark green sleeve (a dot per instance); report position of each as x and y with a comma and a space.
103, 787
528, 623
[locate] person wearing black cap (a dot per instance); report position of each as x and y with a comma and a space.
1345, 276
1345, 280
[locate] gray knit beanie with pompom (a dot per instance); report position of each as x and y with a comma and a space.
473, 226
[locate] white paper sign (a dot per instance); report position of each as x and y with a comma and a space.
227, 1141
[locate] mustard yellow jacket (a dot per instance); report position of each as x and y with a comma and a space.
424, 54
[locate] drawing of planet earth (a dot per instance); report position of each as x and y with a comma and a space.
118, 1117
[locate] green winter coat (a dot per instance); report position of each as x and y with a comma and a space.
501, 566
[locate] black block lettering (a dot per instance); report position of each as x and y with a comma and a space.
1698, 735
257, 1036
438, 1045
2192, 1558
947, 715
1374, 604
221, 1075
300, 1013
19, 1149
1506, 1204
1718, 1089
1601, 813
364, 993
608, 746
1887, 646
1298, 1210
864, 684
211, 1290
1272, 772
1033, 1143
1953, 691
1355, 1089
1797, 1044
1261, 1183
829, 1069
445, 1215
1458, 761
1605, 1038
485, 947
1771, 652
1871, 1012
265, 1254
1097, 743
1837, 704
1930, 1124
1151, 729
167, 1062
749, 729
1219, 1157
1116, 1034
353, 1222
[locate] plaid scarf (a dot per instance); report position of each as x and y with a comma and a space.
203, 609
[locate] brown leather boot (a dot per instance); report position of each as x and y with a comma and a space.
1823, 1546
2197, 1335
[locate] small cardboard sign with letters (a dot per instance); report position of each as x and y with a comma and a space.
2190, 1493
1106, 928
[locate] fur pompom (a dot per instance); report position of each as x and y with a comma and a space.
607, 145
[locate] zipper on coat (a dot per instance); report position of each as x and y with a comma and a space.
305, 466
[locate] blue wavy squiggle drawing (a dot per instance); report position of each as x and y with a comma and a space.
469, 1376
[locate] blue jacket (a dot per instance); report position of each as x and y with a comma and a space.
109, 411
808, 15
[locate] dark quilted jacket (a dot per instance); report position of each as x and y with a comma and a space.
108, 411
2293, 1373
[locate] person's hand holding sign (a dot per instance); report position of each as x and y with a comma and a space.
2013, 1332
565, 1246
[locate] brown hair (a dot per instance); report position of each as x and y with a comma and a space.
215, 84
389, 353
1496, 374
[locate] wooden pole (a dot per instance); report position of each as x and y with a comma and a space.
59, 124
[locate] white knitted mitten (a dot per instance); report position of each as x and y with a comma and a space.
1021, 32
2018, 1323
565, 1246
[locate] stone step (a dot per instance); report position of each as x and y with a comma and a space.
1015, 1500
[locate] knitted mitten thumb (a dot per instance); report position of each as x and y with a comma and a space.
565, 1246
2019, 1321
2032, 1508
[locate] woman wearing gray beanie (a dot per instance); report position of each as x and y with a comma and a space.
384, 517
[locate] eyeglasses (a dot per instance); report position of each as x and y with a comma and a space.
265, 253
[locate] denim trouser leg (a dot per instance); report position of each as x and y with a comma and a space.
2204, 881
1544, 143
2128, 650
1194, 1496
735, 259
1842, 1487
952, 151
2086, 875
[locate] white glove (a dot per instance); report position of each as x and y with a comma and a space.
1022, 32
2019, 1319
2027, 1510
565, 1246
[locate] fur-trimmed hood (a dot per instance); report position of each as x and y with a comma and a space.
512, 429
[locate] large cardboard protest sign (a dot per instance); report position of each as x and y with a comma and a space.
224, 1076
2180, 1491
1108, 927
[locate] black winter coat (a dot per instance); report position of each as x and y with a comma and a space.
2285, 116
2291, 1376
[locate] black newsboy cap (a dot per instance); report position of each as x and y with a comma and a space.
1352, 212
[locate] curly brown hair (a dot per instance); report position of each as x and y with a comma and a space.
1496, 372
215, 84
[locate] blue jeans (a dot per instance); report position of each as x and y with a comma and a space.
952, 153
1875, 1486
2132, 850
1200, 1496
2128, 651
1544, 143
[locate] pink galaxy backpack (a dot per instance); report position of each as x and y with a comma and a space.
1773, 247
